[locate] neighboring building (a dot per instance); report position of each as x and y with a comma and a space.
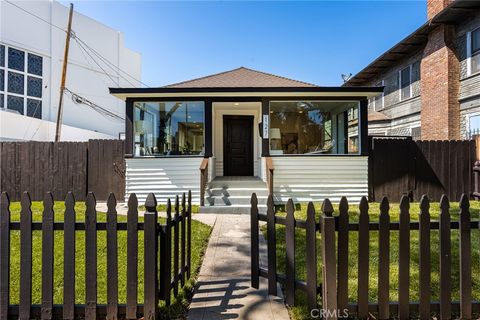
431, 78
316, 138
32, 41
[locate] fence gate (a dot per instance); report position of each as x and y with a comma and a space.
106, 167
405, 167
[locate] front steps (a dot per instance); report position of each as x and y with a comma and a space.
232, 195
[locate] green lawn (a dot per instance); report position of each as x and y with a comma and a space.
200, 235
300, 311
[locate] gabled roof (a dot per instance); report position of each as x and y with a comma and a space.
454, 13
375, 116
241, 78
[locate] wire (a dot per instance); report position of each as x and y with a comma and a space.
76, 98
95, 61
105, 60
36, 16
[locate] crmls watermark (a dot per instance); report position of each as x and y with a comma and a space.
326, 313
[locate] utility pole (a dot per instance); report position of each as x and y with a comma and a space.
64, 76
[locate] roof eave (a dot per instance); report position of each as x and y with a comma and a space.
124, 93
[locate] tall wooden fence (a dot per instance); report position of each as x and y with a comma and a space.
334, 281
96, 166
159, 278
414, 168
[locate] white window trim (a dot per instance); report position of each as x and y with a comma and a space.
409, 83
383, 99
469, 50
469, 53
469, 116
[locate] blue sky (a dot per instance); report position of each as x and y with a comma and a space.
310, 41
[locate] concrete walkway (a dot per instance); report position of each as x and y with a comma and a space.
223, 290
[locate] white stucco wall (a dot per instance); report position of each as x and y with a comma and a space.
83, 76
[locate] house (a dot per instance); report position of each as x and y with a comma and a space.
431, 78
32, 42
236, 123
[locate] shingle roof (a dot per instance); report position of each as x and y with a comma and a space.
240, 77
377, 116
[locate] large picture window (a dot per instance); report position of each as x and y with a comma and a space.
170, 128
313, 127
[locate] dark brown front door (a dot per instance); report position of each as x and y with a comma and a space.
238, 145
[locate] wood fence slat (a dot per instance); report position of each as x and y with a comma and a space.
90, 258
165, 254
311, 257
255, 255
4, 255
167, 257
384, 260
69, 258
112, 259
151, 258
290, 254
189, 234
342, 266
363, 259
404, 260
176, 246
25, 257
329, 285
271, 247
424, 259
445, 260
132, 257
465, 259
183, 242
47, 257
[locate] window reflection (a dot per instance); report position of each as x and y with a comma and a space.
313, 127
168, 128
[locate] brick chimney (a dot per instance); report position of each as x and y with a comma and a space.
440, 81
435, 6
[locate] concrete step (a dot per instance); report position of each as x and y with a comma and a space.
226, 192
233, 200
234, 209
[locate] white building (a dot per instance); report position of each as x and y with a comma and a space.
31, 58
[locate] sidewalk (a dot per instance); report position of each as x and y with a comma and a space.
223, 290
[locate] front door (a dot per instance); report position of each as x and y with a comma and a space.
238, 145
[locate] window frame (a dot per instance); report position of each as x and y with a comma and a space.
410, 93
6, 69
470, 53
181, 100
359, 125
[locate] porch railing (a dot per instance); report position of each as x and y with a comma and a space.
203, 180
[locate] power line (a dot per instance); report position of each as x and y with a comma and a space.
95, 61
105, 60
76, 98
36, 16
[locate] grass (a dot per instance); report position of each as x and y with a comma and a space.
300, 311
179, 305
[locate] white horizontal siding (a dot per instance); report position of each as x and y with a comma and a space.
469, 87
316, 178
165, 177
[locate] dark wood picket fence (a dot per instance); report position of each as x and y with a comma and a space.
95, 166
334, 244
158, 260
